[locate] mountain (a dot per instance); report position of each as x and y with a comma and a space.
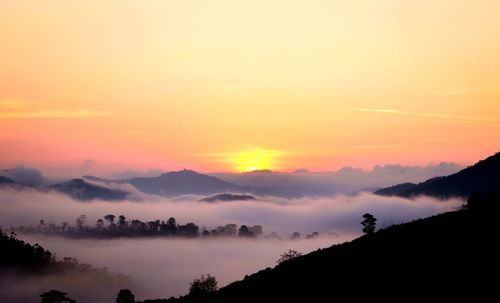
395, 190
26, 175
82, 190
227, 197
6, 180
447, 257
185, 182
484, 176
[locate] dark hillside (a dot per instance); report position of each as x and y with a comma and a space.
484, 176
449, 256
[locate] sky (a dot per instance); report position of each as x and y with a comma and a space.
233, 86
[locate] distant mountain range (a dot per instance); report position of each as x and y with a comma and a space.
186, 182
227, 197
484, 176
171, 184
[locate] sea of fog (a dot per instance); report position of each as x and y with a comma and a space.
161, 267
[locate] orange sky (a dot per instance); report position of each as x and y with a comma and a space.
227, 85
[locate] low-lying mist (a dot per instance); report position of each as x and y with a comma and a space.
164, 267
305, 215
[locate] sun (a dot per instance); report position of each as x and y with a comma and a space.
254, 159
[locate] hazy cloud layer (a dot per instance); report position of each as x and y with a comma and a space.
341, 213
345, 180
164, 267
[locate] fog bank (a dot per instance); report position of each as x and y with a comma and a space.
340, 214
164, 267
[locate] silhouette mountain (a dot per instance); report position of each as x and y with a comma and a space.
6, 180
227, 197
484, 176
26, 175
445, 257
185, 182
396, 189
82, 190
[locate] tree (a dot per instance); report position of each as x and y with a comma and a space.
55, 296
80, 221
122, 221
125, 296
203, 286
230, 230
189, 230
244, 231
288, 255
171, 226
99, 225
369, 223
110, 218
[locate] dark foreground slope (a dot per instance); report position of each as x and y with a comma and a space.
449, 256
482, 177
28, 270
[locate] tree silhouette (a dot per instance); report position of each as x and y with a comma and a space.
110, 218
122, 221
288, 255
55, 296
99, 225
203, 286
80, 221
369, 223
125, 296
244, 231
295, 236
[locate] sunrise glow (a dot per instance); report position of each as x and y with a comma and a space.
169, 84
255, 159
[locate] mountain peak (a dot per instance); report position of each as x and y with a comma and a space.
184, 172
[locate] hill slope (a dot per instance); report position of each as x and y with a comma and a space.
482, 177
6, 180
82, 190
448, 256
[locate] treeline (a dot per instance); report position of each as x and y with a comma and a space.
18, 255
111, 226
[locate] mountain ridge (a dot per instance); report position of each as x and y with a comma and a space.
184, 182
484, 176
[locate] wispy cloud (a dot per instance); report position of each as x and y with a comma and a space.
20, 109
452, 91
428, 115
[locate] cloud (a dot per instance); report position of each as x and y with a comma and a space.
345, 180
428, 115
339, 214
164, 267
19, 109
452, 91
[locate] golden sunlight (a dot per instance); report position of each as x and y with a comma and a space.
254, 159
